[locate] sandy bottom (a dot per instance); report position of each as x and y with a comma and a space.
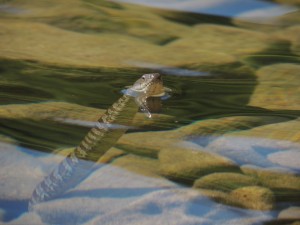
110, 195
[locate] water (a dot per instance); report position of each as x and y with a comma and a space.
224, 147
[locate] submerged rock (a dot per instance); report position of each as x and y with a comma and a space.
138, 35
52, 45
289, 19
205, 131
112, 154
286, 186
201, 132
285, 135
222, 39
50, 111
186, 165
253, 197
250, 197
292, 34
137, 164
277, 88
70, 113
224, 181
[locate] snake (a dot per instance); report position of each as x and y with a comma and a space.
76, 166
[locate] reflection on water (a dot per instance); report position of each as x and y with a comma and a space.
223, 149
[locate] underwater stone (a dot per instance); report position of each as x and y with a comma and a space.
69, 113
224, 181
277, 87
250, 197
289, 19
137, 164
50, 111
253, 197
281, 135
112, 48
222, 39
112, 154
293, 35
284, 185
187, 165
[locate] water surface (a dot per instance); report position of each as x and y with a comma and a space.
224, 147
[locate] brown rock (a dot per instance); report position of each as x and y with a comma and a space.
286, 186
187, 165
224, 181
277, 87
253, 197
137, 164
222, 39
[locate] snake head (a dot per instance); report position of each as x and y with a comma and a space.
149, 85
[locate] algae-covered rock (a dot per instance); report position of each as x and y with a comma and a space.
207, 134
286, 186
98, 34
58, 111
148, 144
70, 113
218, 196
99, 16
222, 39
289, 19
250, 197
213, 128
292, 34
137, 164
107, 157
277, 136
253, 197
187, 165
112, 154
277, 87
224, 181
273, 179
201, 132
41, 42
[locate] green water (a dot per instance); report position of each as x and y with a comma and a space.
66, 60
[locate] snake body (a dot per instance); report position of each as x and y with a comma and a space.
76, 166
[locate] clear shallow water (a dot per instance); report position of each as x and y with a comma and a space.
228, 135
